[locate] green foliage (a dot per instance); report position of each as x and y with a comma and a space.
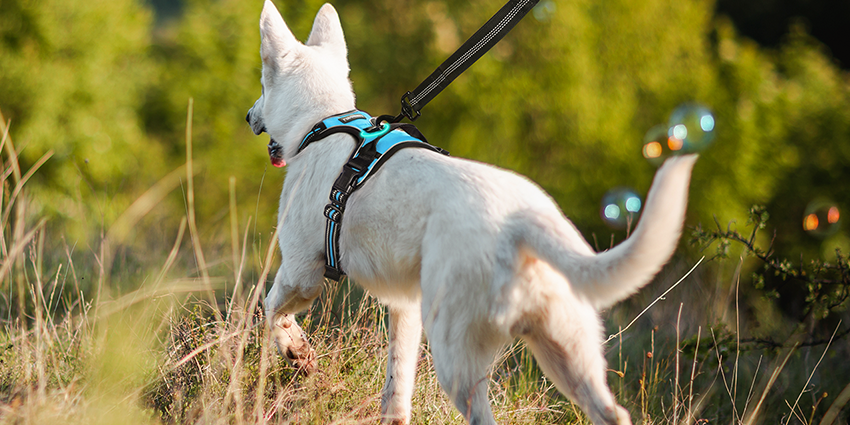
823, 287
564, 99
210, 56
72, 77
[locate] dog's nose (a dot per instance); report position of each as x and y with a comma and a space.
248, 117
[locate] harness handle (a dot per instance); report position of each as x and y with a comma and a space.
389, 119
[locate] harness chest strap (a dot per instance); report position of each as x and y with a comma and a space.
375, 145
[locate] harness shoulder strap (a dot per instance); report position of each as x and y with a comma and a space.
374, 147
339, 123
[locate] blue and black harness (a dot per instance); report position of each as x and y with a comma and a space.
376, 144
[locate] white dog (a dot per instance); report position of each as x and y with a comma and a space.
476, 254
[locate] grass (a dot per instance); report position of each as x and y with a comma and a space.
188, 344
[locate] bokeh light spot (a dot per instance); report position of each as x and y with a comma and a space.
674, 144
693, 124
679, 131
633, 204
811, 222
620, 208
612, 212
706, 123
832, 215
655, 145
821, 218
544, 10
690, 130
652, 150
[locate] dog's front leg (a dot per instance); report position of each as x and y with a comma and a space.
294, 289
405, 334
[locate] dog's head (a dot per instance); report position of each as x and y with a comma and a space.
301, 83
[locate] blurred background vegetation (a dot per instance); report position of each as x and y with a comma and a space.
102, 87
565, 99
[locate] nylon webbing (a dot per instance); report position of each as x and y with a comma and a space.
476, 46
374, 147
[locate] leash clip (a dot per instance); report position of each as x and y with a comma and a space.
407, 108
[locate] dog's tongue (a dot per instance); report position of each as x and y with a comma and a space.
276, 154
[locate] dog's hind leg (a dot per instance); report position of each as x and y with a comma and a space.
565, 337
405, 335
463, 355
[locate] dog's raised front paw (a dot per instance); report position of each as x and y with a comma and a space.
292, 344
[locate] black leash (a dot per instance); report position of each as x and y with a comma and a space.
482, 41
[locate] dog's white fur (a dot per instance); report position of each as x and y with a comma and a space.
476, 254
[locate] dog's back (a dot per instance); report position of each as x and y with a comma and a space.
464, 213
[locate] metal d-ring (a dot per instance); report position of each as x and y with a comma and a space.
365, 133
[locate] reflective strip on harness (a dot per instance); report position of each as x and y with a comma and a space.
375, 146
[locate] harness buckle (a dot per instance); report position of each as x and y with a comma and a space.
333, 273
333, 213
349, 175
338, 197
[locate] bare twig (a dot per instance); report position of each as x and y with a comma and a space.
660, 297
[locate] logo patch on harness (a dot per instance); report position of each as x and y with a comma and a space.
352, 117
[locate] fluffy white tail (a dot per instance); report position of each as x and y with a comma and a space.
613, 275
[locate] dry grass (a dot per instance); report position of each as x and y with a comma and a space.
193, 348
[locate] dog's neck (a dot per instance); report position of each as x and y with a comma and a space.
307, 118
311, 173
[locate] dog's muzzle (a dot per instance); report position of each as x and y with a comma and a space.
275, 150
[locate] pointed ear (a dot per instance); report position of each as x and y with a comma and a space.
327, 31
276, 37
